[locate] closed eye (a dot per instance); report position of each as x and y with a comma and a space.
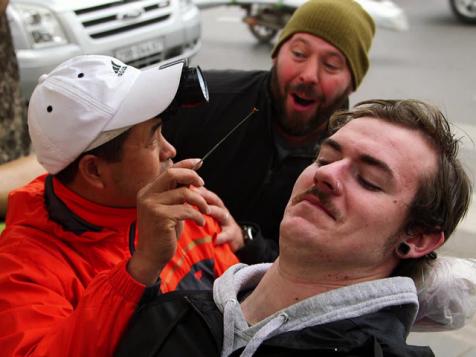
368, 185
321, 162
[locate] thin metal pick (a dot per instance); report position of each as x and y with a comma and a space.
198, 164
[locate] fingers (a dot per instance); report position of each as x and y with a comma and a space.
183, 195
231, 234
179, 174
216, 206
171, 179
223, 238
169, 216
176, 176
220, 214
192, 164
211, 197
162, 206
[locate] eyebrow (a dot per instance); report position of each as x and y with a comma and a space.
337, 55
331, 52
299, 39
365, 158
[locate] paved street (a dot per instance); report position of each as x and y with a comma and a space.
433, 61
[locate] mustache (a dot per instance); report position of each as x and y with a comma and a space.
324, 200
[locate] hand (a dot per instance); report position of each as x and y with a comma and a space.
162, 205
231, 232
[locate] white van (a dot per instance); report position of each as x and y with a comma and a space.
138, 32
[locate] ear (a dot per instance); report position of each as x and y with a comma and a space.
90, 170
421, 244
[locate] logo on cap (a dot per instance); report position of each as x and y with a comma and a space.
118, 69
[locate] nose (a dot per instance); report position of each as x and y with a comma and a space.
328, 178
167, 150
310, 71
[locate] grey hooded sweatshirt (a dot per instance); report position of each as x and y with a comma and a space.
343, 303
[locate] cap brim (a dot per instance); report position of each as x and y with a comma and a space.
152, 92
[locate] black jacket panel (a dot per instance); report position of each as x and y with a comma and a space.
190, 324
172, 326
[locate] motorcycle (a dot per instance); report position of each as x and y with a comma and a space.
265, 18
465, 10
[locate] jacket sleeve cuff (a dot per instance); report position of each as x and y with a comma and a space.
125, 285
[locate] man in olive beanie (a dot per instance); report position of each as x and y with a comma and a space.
320, 58
350, 29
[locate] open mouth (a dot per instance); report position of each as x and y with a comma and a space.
302, 101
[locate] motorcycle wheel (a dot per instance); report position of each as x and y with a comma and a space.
262, 33
465, 10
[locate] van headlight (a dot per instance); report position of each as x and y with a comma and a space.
41, 26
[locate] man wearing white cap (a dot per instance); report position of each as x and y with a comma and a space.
74, 265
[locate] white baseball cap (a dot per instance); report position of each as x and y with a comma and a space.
88, 100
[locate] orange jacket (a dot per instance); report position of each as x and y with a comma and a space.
64, 288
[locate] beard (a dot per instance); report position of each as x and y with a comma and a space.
294, 124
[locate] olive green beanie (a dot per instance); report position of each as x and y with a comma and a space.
342, 23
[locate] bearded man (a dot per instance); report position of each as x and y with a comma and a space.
320, 58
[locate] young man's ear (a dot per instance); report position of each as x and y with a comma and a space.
89, 169
419, 245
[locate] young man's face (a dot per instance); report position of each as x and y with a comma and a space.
145, 154
367, 175
311, 79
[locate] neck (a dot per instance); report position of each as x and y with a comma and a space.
302, 140
264, 301
293, 287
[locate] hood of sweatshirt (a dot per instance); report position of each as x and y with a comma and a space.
346, 302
